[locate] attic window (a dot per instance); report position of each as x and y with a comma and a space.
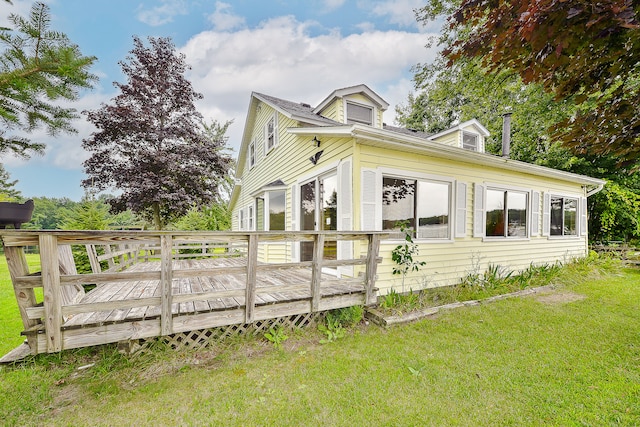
470, 141
357, 113
270, 135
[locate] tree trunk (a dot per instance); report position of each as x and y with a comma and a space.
156, 216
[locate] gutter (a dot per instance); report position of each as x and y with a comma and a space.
595, 190
403, 142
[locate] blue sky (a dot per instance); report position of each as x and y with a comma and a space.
296, 50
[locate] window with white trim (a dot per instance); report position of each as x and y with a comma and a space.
470, 141
270, 134
358, 113
252, 154
250, 218
506, 213
423, 205
563, 216
242, 220
276, 201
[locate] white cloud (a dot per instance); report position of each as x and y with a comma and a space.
162, 14
223, 19
333, 4
399, 12
18, 7
282, 59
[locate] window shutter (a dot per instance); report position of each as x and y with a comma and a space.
369, 209
535, 213
461, 210
345, 208
583, 216
546, 215
478, 210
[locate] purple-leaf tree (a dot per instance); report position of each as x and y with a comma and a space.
151, 143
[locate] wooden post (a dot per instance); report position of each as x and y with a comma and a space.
316, 271
252, 264
51, 289
373, 250
26, 298
166, 279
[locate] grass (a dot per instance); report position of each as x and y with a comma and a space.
570, 358
10, 321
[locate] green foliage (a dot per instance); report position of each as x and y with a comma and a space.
87, 215
403, 255
584, 53
276, 336
336, 322
156, 150
8, 192
215, 216
614, 213
402, 303
332, 328
38, 67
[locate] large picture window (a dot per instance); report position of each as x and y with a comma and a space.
506, 213
422, 205
564, 216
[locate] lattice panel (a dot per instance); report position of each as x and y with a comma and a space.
202, 338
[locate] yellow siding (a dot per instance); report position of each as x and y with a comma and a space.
447, 262
452, 139
287, 162
335, 110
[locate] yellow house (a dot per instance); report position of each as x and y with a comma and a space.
337, 166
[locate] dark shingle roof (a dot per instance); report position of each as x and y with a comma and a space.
405, 131
300, 111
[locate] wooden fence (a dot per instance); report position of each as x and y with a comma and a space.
144, 284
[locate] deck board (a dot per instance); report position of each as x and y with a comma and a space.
216, 280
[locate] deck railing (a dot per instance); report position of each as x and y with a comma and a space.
49, 320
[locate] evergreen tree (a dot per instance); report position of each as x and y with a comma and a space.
151, 142
7, 187
38, 67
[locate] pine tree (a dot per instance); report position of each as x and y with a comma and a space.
37, 68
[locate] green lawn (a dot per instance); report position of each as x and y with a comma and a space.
10, 322
563, 359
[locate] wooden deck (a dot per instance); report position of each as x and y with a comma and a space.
146, 284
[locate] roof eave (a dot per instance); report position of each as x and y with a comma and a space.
407, 142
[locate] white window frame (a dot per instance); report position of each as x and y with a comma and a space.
251, 218
272, 120
242, 220
483, 213
580, 209
475, 135
267, 208
251, 154
402, 174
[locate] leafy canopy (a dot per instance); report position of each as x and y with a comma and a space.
38, 68
152, 144
578, 50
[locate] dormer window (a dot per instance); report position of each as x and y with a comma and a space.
470, 141
357, 113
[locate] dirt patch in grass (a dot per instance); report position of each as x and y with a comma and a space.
562, 297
